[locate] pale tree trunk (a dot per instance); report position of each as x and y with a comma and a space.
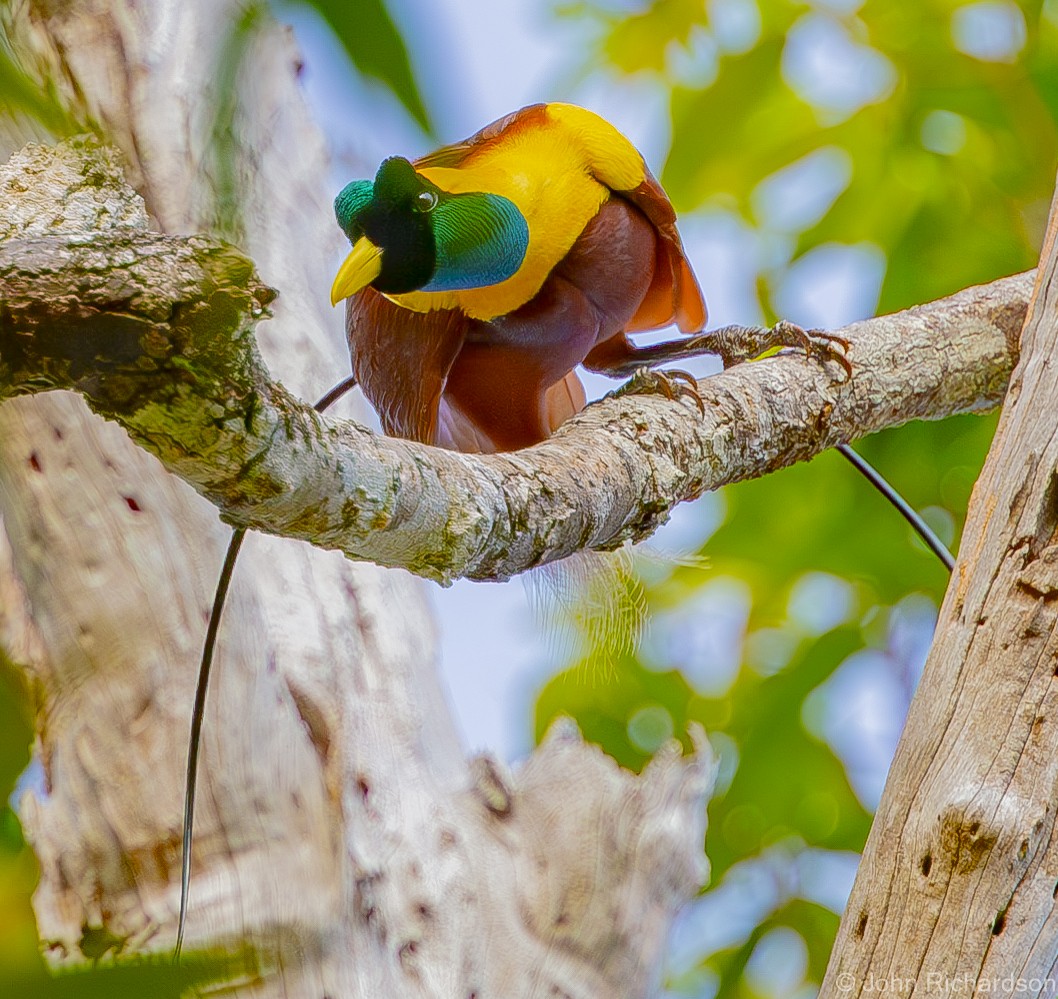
956, 891
341, 829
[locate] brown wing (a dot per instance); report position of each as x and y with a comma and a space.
453, 155
674, 295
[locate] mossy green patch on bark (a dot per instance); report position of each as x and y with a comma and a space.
151, 314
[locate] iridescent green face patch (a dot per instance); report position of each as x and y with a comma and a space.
480, 240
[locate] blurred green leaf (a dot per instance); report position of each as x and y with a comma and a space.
144, 978
605, 700
824, 517
730, 136
817, 927
21, 95
18, 867
375, 45
16, 725
643, 41
787, 783
948, 215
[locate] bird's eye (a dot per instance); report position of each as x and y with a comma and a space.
425, 201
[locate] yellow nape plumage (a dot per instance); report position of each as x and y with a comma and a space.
558, 163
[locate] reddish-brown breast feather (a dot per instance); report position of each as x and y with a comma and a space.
401, 360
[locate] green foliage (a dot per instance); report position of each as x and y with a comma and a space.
946, 167
20, 95
824, 517
18, 869
786, 783
950, 161
374, 44
728, 967
143, 978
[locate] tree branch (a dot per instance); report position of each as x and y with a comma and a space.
157, 333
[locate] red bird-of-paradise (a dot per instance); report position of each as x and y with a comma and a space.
482, 274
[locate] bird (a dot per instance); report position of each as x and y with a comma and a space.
481, 275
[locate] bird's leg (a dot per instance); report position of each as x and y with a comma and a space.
620, 358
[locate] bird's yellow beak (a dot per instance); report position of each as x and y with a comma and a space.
361, 267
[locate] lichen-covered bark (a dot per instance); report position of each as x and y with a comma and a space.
155, 332
340, 830
956, 891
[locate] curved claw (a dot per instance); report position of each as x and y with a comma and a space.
672, 384
820, 344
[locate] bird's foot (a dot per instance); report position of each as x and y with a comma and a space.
672, 384
620, 358
736, 344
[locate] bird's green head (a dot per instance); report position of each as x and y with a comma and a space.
409, 235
